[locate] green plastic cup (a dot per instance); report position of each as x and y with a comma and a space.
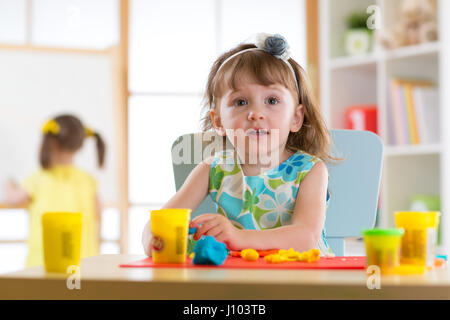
383, 248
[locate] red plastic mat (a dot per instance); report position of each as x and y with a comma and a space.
239, 263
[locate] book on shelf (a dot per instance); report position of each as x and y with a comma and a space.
427, 100
414, 112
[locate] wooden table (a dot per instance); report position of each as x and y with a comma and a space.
101, 278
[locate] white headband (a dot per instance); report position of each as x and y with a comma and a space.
276, 45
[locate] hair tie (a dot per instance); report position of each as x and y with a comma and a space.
276, 45
89, 132
52, 127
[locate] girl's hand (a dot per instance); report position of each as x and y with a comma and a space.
219, 227
15, 195
147, 239
11, 189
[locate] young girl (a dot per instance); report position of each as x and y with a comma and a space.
260, 96
60, 186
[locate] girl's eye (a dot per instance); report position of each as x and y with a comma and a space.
240, 102
272, 100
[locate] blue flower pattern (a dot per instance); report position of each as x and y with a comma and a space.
271, 194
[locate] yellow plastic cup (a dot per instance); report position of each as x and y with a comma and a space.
419, 242
61, 235
170, 228
383, 248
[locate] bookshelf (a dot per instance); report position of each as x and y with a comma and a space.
365, 79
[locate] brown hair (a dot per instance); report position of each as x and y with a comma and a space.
70, 137
265, 69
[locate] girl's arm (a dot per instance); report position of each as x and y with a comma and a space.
308, 218
190, 196
16, 196
194, 189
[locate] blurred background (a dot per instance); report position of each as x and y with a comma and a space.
135, 70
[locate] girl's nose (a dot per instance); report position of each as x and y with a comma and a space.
254, 115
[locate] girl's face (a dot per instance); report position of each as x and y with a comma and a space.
257, 119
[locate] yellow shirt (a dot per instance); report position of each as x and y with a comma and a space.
61, 188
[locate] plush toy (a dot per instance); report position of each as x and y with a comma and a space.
417, 23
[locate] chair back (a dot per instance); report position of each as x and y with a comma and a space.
354, 182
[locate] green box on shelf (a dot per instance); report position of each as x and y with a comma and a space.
424, 202
357, 37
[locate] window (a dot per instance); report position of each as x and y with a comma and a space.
87, 24
76, 24
13, 21
173, 44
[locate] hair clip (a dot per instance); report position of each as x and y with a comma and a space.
52, 127
275, 44
89, 132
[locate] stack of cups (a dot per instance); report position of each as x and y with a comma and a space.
409, 249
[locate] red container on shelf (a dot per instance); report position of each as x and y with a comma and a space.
362, 117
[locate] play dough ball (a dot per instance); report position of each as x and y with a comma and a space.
210, 251
250, 254
291, 253
274, 258
313, 255
302, 257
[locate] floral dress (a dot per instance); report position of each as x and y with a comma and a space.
261, 202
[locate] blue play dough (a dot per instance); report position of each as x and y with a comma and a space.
210, 251
192, 230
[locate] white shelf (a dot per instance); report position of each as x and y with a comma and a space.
431, 48
412, 150
353, 61
365, 79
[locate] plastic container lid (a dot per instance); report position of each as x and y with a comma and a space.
383, 232
417, 219
405, 269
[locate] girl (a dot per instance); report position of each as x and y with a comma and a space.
60, 186
257, 95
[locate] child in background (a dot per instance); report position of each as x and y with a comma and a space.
256, 93
60, 186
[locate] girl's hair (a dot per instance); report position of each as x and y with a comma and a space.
69, 136
265, 69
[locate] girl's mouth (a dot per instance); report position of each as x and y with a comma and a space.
257, 132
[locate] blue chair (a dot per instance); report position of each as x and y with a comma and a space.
354, 182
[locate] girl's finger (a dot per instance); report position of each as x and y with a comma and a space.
215, 231
200, 219
205, 227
